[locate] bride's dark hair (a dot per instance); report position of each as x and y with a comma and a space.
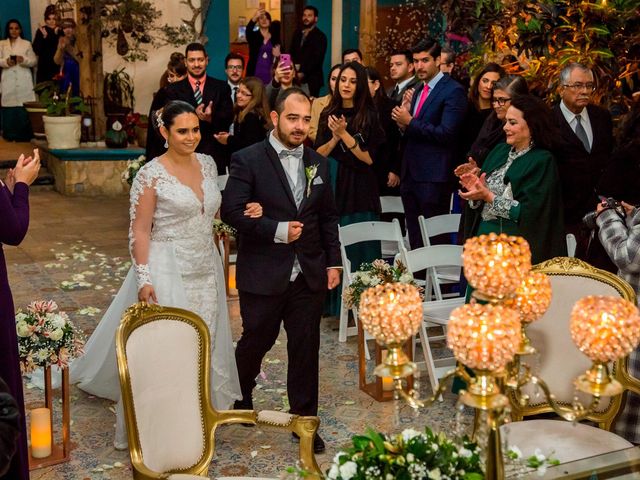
166, 115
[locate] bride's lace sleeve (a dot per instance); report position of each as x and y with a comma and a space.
142, 206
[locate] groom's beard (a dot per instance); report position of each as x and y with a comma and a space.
292, 139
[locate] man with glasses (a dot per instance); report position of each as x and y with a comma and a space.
585, 142
233, 69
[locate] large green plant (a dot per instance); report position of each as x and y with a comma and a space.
57, 103
118, 92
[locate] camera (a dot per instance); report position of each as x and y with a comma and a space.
589, 220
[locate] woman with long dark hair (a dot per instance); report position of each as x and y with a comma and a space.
263, 36
251, 120
68, 57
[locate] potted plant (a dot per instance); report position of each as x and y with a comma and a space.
36, 109
118, 103
62, 121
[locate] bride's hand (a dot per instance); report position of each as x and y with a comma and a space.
253, 210
147, 294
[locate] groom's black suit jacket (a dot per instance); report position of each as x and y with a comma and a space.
263, 266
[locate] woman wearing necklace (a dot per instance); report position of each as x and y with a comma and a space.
518, 189
263, 37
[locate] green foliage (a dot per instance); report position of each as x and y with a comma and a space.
59, 104
118, 90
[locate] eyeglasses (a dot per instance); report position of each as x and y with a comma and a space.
502, 101
582, 86
234, 67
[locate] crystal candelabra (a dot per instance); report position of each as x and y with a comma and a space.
489, 337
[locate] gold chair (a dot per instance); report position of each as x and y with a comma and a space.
164, 367
559, 362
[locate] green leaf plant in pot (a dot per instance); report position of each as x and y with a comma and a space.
118, 102
62, 121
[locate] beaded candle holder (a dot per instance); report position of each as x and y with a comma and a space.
495, 265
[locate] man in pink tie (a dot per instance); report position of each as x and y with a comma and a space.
430, 117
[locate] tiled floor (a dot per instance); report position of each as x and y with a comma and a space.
88, 237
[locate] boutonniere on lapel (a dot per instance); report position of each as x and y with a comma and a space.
310, 173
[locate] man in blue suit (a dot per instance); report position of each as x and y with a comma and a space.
430, 116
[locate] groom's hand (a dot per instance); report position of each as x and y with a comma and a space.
333, 278
294, 232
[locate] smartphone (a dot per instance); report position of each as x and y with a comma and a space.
285, 60
14, 58
262, 5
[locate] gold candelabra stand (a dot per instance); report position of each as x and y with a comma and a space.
488, 337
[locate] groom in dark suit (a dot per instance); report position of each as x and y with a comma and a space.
289, 257
210, 97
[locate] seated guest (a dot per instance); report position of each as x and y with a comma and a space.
518, 188
620, 237
284, 77
319, 104
251, 121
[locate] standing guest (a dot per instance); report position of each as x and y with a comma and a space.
233, 68
352, 55
387, 164
583, 153
287, 258
308, 48
319, 104
14, 211
175, 72
447, 60
45, 45
284, 77
251, 117
401, 71
16, 60
67, 57
431, 118
518, 188
263, 36
210, 97
349, 133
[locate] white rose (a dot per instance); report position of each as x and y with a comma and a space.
333, 472
365, 279
405, 278
410, 457
465, 453
42, 355
375, 281
434, 474
409, 433
56, 334
348, 470
57, 320
21, 316
22, 328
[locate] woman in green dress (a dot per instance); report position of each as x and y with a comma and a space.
518, 189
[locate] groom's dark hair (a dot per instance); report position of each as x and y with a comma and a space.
282, 97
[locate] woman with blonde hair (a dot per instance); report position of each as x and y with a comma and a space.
251, 121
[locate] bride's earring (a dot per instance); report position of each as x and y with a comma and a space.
166, 144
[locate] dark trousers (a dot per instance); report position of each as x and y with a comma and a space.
427, 199
300, 310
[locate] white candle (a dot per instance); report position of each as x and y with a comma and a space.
40, 433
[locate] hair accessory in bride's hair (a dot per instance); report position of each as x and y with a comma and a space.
159, 122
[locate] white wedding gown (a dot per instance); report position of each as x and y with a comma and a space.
185, 270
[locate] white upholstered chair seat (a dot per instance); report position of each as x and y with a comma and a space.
568, 441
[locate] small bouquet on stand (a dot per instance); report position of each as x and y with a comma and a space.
375, 273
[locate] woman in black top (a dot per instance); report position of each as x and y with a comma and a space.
251, 121
45, 45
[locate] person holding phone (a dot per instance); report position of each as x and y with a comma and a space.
263, 36
284, 77
45, 44
16, 60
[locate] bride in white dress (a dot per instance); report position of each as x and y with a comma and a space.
174, 199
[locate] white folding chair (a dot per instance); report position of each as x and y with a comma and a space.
436, 312
390, 204
571, 245
353, 234
439, 225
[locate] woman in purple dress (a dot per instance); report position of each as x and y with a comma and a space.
263, 37
14, 212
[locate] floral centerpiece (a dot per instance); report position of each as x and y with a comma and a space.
410, 454
132, 168
375, 273
46, 337
221, 229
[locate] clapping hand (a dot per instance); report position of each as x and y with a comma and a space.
476, 188
401, 116
10, 180
204, 113
253, 210
26, 170
470, 167
337, 125
407, 96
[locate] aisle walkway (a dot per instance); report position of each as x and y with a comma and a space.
76, 254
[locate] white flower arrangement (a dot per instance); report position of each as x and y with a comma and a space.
46, 337
132, 168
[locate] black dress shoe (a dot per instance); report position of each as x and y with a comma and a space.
318, 443
240, 405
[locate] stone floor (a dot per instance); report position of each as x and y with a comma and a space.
76, 254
